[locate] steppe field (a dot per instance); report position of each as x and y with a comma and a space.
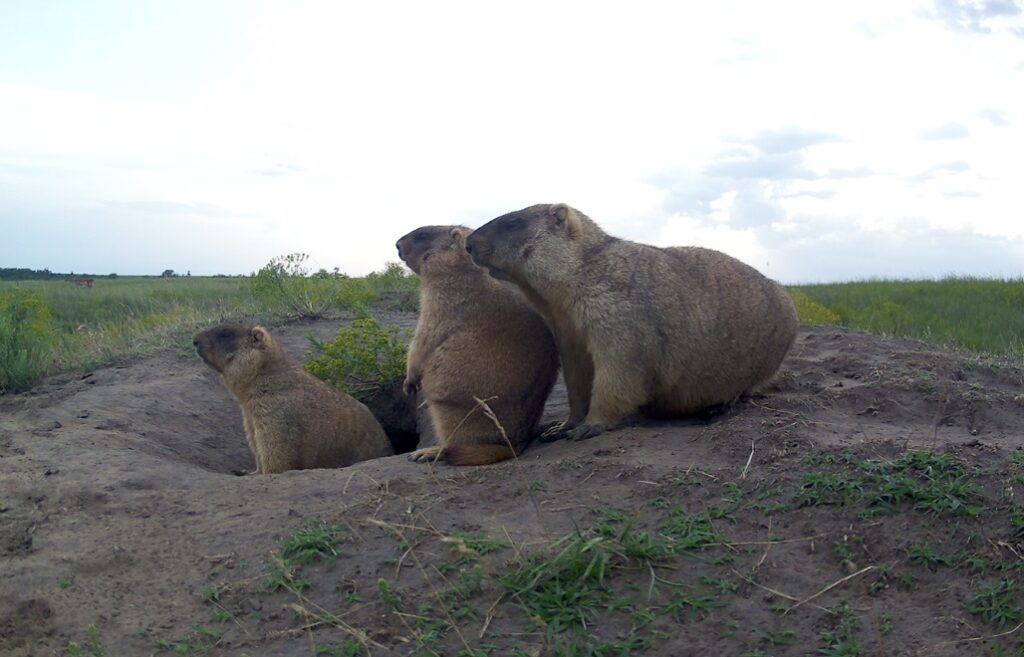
865, 504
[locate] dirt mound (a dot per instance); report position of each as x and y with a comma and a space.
863, 505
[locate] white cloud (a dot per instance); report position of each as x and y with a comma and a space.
342, 126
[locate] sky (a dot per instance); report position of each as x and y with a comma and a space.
816, 141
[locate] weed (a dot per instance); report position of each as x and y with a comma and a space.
199, 641
721, 585
315, 541
561, 592
480, 545
387, 594
692, 603
347, 649
841, 641
922, 554
94, 644
660, 503
285, 282
1017, 522
643, 547
934, 483
66, 581
687, 531
284, 575
997, 604
842, 550
976, 563
779, 637
360, 359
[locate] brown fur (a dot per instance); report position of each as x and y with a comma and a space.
668, 331
293, 421
476, 337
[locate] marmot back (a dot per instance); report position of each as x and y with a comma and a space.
293, 421
668, 331
476, 338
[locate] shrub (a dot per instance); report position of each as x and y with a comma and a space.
361, 358
27, 339
285, 283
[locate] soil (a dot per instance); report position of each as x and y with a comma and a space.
126, 529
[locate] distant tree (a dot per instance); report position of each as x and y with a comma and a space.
188, 273
168, 273
112, 275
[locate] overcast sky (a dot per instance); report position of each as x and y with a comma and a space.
817, 141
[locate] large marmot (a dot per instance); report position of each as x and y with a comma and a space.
668, 331
476, 338
293, 421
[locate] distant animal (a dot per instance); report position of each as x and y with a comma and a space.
80, 282
666, 331
293, 421
477, 338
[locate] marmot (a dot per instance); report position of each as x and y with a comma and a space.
476, 337
293, 421
667, 331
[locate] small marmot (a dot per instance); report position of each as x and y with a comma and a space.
293, 421
476, 338
667, 331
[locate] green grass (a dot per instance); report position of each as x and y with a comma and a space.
50, 326
976, 314
71, 328
931, 482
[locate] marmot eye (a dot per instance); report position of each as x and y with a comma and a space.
420, 237
514, 224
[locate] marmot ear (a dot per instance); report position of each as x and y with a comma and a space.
459, 235
567, 217
260, 335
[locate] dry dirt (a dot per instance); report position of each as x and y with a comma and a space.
121, 509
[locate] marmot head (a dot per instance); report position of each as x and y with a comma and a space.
432, 244
508, 246
225, 346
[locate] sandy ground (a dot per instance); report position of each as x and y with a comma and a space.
120, 506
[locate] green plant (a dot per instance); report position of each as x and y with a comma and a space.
997, 604
922, 554
936, 483
284, 575
779, 637
94, 644
688, 531
26, 339
285, 282
360, 359
198, 642
395, 288
691, 602
387, 594
315, 541
347, 649
562, 592
841, 640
